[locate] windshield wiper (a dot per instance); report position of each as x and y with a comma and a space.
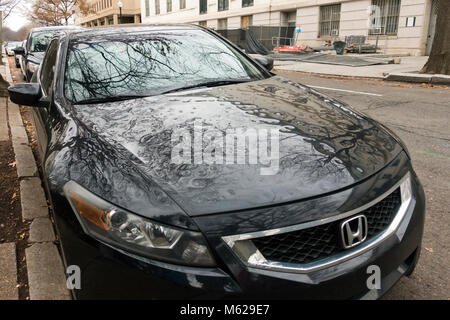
110, 99
209, 84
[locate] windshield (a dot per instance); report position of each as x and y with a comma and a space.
151, 63
40, 40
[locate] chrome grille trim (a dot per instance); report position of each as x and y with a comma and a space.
244, 248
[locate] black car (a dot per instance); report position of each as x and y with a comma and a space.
150, 202
37, 42
22, 62
9, 48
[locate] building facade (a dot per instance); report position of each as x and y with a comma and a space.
397, 26
107, 12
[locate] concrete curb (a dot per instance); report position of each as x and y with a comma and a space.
46, 276
4, 132
398, 77
8, 274
331, 76
418, 78
45, 279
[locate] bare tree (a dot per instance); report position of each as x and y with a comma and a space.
7, 6
56, 12
439, 60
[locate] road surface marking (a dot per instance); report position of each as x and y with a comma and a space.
357, 92
432, 154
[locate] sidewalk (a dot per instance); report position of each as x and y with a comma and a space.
406, 71
34, 250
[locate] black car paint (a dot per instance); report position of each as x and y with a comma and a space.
112, 274
324, 146
80, 149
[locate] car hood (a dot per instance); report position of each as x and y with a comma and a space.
323, 145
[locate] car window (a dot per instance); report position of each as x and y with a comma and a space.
151, 63
40, 40
48, 67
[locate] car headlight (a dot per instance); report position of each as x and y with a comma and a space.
125, 230
32, 67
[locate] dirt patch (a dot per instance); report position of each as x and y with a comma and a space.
12, 228
15, 229
32, 137
3, 87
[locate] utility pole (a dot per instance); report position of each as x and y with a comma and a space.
1, 37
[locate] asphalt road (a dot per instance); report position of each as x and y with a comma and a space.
421, 117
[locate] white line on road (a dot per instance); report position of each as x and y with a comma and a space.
350, 91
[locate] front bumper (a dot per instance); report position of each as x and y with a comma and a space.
111, 274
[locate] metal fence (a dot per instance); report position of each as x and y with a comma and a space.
330, 17
269, 36
272, 37
386, 17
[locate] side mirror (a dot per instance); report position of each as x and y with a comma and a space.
27, 94
266, 62
19, 50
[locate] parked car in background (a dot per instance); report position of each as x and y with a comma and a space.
37, 42
10, 46
17, 57
140, 223
22, 61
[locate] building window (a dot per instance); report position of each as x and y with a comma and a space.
223, 5
157, 7
169, 5
182, 4
384, 19
247, 3
246, 21
330, 17
222, 24
147, 8
203, 6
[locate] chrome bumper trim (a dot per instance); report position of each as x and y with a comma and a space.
244, 248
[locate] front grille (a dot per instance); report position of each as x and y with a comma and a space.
316, 243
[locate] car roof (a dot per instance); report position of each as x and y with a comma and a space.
105, 31
56, 28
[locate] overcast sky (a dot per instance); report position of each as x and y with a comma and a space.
18, 18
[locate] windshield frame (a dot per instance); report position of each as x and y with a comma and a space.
54, 30
117, 35
36, 33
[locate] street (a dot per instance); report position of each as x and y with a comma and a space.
420, 116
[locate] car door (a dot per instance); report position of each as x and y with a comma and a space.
45, 77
